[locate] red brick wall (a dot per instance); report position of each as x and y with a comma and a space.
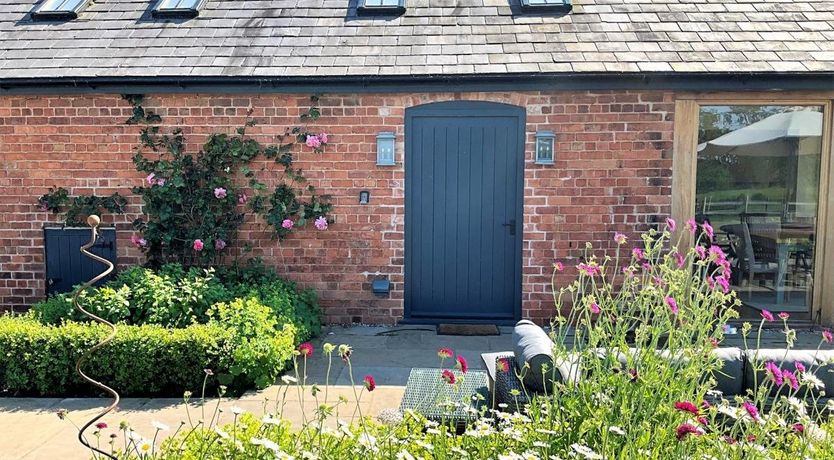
612, 172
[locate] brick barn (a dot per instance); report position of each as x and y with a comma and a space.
522, 129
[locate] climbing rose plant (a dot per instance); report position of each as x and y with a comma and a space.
194, 204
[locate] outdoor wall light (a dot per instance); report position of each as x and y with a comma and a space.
364, 196
381, 287
545, 141
385, 142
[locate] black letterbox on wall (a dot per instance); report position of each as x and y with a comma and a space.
65, 265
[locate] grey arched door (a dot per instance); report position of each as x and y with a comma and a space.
464, 174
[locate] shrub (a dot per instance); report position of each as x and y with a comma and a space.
147, 360
261, 345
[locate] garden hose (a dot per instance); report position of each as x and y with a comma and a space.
93, 221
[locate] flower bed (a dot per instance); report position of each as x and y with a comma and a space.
172, 323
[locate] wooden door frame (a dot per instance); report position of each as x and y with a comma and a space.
475, 109
684, 163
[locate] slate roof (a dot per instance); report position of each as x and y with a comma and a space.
314, 38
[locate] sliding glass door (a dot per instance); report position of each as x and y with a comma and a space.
757, 181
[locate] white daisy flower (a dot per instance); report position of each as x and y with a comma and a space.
404, 455
159, 426
366, 440
288, 379
307, 455
144, 446
269, 420
797, 405
268, 443
813, 380
616, 430
221, 433
283, 456
585, 451
237, 410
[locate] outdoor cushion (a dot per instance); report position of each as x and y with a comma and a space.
489, 360
533, 346
818, 362
730, 378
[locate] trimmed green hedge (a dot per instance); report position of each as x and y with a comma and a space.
148, 360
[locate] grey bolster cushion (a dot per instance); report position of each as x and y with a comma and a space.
533, 346
816, 362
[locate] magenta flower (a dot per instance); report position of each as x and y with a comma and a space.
595, 308
691, 225
502, 365
461, 363
752, 411
638, 254
724, 283
242, 198
679, 259
198, 245
219, 245
687, 406
160, 182
826, 335
702, 253
313, 141
790, 378
799, 428
287, 223
101, 425
774, 373
220, 193
448, 376
138, 241
799, 367
559, 266
658, 281
620, 239
686, 429
151, 179
323, 138
671, 224
673, 304
784, 316
306, 349
369, 383
320, 223
717, 254
703, 420
768, 316
708, 230
633, 375
589, 269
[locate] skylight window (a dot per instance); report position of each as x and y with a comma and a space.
546, 5
178, 8
381, 7
59, 9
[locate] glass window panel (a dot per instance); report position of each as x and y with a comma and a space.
59, 5
382, 3
757, 183
546, 2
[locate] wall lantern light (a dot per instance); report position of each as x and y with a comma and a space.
385, 142
545, 142
364, 197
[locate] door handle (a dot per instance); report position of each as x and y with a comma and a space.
510, 224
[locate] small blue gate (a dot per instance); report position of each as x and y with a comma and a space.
66, 267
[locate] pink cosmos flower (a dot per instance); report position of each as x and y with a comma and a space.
686, 429
679, 259
620, 239
708, 230
313, 141
672, 303
219, 245
768, 316
687, 406
306, 349
784, 316
198, 245
445, 353
287, 223
691, 225
369, 383
242, 198
502, 365
799, 367
774, 373
448, 376
790, 378
323, 138
220, 193
559, 266
638, 254
752, 411
462, 364
671, 224
595, 308
826, 335
321, 223
589, 269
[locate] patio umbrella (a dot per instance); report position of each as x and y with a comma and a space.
773, 136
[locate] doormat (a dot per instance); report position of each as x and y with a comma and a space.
467, 329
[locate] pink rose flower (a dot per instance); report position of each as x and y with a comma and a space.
198, 245
321, 223
323, 138
219, 245
287, 223
220, 193
313, 141
242, 198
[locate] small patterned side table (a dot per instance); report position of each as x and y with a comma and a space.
428, 394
